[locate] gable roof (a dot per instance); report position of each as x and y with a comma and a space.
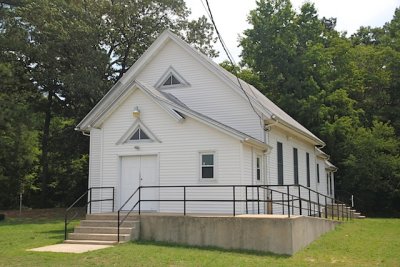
172, 105
261, 103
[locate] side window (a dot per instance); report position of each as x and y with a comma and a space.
308, 169
296, 166
258, 168
207, 165
280, 163
327, 183
317, 172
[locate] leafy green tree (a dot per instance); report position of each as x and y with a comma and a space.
73, 51
346, 90
18, 137
373, 169
129, 28
288, 51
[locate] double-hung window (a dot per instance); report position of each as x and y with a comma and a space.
207, 165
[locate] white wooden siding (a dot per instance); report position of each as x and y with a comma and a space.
288, 143
95, 160
206, 94
322, 175
179, 151
180, 144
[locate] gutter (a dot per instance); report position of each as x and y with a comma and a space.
320, 143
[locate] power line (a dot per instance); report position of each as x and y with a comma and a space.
228, 54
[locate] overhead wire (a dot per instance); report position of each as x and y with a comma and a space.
229, 56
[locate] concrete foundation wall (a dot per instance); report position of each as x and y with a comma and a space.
277, 234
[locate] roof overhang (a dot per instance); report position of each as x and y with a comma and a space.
330, 167
277, 122
97, 115
321, 154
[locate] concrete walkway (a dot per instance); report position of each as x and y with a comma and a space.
70, 248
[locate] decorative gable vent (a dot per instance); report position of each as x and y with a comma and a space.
139, 135
138, 132
171, 79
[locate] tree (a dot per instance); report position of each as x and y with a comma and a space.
373, 169
130, 27
346, 90
18, 137
71, 52
288, 51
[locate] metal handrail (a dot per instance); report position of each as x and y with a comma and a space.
287, 200
318, 194
119, 223
289, 197
87, 204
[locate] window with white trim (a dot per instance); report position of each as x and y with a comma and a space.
207, 165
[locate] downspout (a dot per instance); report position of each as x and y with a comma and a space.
321, 146
267, 129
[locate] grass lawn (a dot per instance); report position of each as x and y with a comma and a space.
368, 242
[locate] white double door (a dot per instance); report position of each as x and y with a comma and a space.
140, 171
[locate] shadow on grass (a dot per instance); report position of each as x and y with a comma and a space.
19, 221
54, 234
211, 248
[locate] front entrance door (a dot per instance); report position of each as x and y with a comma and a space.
139, 171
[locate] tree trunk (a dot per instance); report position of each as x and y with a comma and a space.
45, 152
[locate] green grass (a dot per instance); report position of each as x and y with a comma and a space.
369, 242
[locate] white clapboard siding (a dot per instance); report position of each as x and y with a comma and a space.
95, 166
206, 94
288, 143
178, 153
322, 185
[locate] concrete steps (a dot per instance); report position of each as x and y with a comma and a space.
103, 229
107, 223
90, 242
99, 237
342, 210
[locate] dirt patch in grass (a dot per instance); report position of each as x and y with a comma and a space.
54, 213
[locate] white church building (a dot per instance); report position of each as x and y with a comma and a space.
176, 119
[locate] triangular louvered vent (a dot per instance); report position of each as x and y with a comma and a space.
139, 134
171, 78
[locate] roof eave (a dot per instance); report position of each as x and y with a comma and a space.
312, 139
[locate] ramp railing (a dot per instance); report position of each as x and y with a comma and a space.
85, 202
264, 199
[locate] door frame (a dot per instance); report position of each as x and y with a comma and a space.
119, 158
